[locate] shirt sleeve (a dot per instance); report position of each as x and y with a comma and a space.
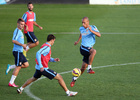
34, 17
24, 17
52, 60
95, 28
15, 35
43, 51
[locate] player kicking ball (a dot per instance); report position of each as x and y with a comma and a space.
88, 33
43, 56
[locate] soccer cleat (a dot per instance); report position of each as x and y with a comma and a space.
24, 53
12, 85
71, 93
72, 83
19, 91
90, 71
8, 69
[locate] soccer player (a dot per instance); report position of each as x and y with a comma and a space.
30, 20
88, 33
43, 56
20, 60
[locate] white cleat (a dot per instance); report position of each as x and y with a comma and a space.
71, 93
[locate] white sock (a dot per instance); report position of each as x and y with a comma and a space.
75, 78
12, 66
89, 67
21, 88
27, 48
67, 92
13, 77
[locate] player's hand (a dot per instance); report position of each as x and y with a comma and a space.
40, 27
24, 46
90, 28
75, 43
56, 59
42, 69
26, 29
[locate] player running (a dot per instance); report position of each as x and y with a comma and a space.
30, 20
20, 59
88, 33
43, 56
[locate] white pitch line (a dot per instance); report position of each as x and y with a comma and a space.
30, 94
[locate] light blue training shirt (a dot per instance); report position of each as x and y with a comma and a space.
88, 38
18, 36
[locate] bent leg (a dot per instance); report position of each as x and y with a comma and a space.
29, 81
31, 45
83, 68
61, 82
91, 57
16, 70
25, 65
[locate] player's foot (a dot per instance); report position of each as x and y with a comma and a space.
8, 69
90, 71
72, 83
24, 53
71, 93
19, 91
12, 85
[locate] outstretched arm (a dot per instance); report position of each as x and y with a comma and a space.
37, 25
54, 59
76, 42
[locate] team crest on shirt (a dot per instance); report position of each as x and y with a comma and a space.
87, 30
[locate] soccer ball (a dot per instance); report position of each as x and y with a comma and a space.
76, 72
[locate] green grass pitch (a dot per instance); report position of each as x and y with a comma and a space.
119, 44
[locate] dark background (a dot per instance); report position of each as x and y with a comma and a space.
51, 1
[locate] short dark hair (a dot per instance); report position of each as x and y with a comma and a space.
29, 3
20, 20
85, 18
50, 37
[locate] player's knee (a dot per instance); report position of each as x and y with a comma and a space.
59, 77
26, 64
37, 43
93, 51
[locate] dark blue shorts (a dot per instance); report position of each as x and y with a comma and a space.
19, 58
85, 52
47, 72
31, 37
